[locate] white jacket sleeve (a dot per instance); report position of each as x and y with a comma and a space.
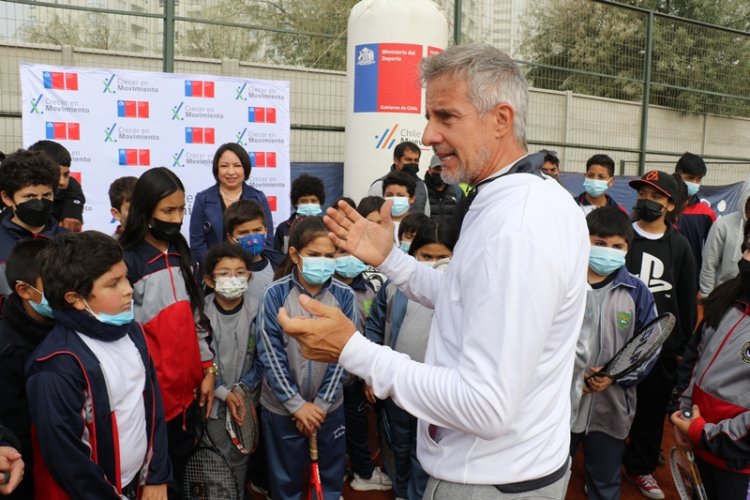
419, 282
509, 348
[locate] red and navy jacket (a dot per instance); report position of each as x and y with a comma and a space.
177, 340
694, 223
715, 375
75, 432
11, 233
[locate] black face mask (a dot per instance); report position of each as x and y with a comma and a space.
411, 168
744, 266
164, 231
34, 212
648, 210
436, 178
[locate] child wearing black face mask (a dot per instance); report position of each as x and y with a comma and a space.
713, 385
662, 258
27, 184
169, 305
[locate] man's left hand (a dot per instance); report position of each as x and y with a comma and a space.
323, 337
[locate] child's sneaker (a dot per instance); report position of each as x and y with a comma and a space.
378, 481
647, 485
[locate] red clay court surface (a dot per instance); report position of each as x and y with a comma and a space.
575, 488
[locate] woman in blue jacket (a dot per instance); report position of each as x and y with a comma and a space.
231, 169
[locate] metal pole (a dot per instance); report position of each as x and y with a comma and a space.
646, 94
457, 22
168, 63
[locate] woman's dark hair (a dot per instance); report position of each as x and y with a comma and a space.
241, 154
304, 230
724, 295
71, 262
224, 250
154, 185
370, 204
308, 185
433, 233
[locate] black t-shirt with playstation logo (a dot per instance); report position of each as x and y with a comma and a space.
666, 265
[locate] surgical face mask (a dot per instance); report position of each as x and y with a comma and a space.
648, 210
34, 212
252, 243
43, 307
400, 205
692, 188
349, 266
230, 287
405, 246
595, 187
309, 209
163, 230
118, 319
604, 260
317, 270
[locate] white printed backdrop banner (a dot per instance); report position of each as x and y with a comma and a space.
118, 123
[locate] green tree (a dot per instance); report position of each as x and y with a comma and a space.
598, 49
96, 31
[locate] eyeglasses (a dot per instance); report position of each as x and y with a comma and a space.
230, 274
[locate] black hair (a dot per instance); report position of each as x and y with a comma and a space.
370, 204
27, 168
304, 230
549, 157
121, 190
23, 262
691, 164
56, 152
400, 179
73, 261
401, 148
724, 295
609, 221
224, 250
603, 161
412, 223
240, 212
308, 185
347, 200
154, 185
680, 199
433, 233
241, 154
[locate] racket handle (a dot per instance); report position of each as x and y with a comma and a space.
314, 446
4, 477
687, 414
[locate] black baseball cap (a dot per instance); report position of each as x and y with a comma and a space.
661, 181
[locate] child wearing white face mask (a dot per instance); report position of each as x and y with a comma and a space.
617, 305
299, 396
400, 189
232, 314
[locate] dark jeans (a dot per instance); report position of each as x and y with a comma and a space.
181, 435
654, 392
357, 436
602, 457
411, 479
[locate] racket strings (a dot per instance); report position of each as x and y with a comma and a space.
208, 476
641, 347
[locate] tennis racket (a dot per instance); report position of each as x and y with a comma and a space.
208, 474
244, 436
685, 474
316, 488
639, 349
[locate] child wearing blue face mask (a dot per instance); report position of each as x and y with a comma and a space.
307, 391
27, 319
599, 177
308, 196
245, 224
400, 189
617, 305
98, 422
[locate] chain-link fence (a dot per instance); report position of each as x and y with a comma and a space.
642, 86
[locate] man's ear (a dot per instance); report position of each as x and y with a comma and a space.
412, 199
503, 115
7, 200
115, 214
23, 290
